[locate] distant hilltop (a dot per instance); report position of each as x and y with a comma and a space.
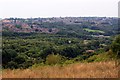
67, 20
48, 25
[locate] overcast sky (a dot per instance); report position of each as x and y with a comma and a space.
57, 8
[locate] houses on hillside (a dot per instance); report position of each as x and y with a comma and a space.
35, 24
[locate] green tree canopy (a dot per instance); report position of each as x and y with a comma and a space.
116, 46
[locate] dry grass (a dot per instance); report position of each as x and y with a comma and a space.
77, 70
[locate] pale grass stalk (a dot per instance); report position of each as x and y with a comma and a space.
77, 70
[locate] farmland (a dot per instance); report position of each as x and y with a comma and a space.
90, 30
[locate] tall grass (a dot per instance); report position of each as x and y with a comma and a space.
76, 70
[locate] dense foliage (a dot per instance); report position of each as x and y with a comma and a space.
22, 50
76, 41
116, 46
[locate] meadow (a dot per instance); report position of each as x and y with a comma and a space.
105, 69
90, 30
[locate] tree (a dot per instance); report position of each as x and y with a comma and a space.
8, 55
50, 30
19, 59
47, 51
116, 46
12, 65
69, 52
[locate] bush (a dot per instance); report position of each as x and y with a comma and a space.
8, 55
53, 59
116, 47
19, 59
47, 51
70, 52
100, 57
69, 61
12, 65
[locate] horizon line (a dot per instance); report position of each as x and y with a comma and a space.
62, 17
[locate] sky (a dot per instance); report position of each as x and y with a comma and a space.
58, 8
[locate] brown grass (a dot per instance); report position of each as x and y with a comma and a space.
77, 70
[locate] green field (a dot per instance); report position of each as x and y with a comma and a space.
90, 30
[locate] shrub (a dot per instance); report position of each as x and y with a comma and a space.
53, 59
12, 65
69, 61
47, 51
116, 46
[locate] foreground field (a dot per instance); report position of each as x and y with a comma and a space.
76, 70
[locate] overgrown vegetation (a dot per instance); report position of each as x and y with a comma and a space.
85, 41
78, 70
22, 50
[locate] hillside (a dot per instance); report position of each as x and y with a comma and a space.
60, 47
76, 26
77, 70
